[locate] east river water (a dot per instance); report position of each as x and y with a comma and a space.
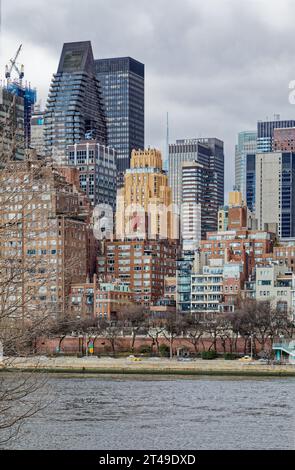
151, 413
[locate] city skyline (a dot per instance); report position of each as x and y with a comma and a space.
203, 97
147, 230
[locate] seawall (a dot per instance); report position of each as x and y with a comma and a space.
146, 366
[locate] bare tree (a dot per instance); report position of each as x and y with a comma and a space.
23, 394
22, 280
175, 326
194, 330
261, 323
285, 326
132, 316
212, 326
110, 331
244, 322
30, 273
155, 332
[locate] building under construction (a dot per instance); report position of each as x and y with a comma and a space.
11, 127
29, 97
17, 95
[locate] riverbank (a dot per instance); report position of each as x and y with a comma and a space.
152, 366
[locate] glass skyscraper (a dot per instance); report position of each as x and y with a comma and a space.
122, 82
216, 163
199, 197
75, 109
247, 144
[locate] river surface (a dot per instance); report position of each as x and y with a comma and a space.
151, 413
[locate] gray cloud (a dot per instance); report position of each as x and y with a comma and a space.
216, 66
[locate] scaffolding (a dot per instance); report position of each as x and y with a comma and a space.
16, 88
29, 96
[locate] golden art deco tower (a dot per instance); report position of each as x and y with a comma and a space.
144, 204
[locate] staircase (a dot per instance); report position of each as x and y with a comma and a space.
288, 348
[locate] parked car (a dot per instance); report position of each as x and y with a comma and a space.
263, 361
133, 358
245, 359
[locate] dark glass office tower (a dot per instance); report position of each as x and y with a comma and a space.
199, 186
250, 181
288, 195
122, 82
75, 109
217, 164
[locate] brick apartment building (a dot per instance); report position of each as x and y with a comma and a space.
249, 246
142, 264
46, 238
99, 300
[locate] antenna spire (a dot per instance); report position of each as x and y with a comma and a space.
166, 163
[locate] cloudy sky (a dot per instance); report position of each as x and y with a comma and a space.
217, 66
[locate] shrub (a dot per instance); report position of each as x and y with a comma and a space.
164, 350
230, 356
209, 355
145, 349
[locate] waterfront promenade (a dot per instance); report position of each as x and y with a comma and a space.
158, 366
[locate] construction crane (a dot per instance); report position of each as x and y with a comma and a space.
13, 66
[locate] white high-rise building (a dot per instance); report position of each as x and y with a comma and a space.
275, 192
